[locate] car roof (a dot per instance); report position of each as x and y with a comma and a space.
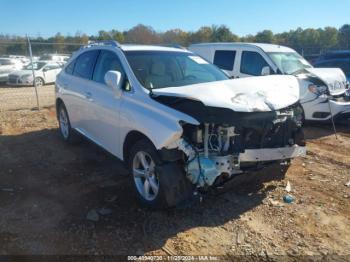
132, 47
265, 47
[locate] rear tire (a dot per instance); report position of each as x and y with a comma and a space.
67, 132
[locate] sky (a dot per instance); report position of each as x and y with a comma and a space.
47, 17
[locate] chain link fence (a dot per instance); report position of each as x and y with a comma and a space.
14, 97
24, 97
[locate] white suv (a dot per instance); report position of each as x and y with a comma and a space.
322, 90
177, 121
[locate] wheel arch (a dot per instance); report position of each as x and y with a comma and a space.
131, 138
42, 78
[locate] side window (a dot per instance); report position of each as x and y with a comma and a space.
225, 59
106, 61
69, 68
252, 63
84, 64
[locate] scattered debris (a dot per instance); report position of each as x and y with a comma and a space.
288, 199
92, 215
275, 203
240, 237
288, 187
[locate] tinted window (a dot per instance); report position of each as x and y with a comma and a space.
225, 59
69, 68
252, 63
84, 64
107, 61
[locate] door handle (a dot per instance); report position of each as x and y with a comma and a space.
88, 96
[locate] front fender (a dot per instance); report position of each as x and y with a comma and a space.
161, 124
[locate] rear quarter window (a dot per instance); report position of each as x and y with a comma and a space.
84, 64
70, 68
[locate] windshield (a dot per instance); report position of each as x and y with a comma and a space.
36, 66
289, 63
159, 69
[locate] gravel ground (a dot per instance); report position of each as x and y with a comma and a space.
14, 98
61, 199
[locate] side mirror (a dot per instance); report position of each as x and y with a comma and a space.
114, 80
45, 69
265, 71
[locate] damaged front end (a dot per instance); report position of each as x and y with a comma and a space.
227, 143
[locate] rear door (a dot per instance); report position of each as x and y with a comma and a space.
76, 84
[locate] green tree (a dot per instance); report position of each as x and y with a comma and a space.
59, 39
223, 34
265, 36
203, 34
344, 36
328, 37
142, 34
175, 36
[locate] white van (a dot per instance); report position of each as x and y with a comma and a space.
323, 91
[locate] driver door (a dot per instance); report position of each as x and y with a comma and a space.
104, 106
251, 64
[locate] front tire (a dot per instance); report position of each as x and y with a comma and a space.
143, 160
157, 184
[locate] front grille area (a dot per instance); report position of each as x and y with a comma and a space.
13, 79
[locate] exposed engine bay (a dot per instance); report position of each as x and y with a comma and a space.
228, 143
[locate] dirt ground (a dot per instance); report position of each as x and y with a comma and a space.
49, 190
14, 98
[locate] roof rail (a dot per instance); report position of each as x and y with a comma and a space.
102, 43
175, 46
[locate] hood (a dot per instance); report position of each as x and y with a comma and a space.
252, 94
334, 78
22, 72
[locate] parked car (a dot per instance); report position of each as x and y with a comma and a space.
62, 58
335, 59
45, 73
178, 122
8, 65
320, 88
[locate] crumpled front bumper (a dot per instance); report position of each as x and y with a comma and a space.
272, 154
